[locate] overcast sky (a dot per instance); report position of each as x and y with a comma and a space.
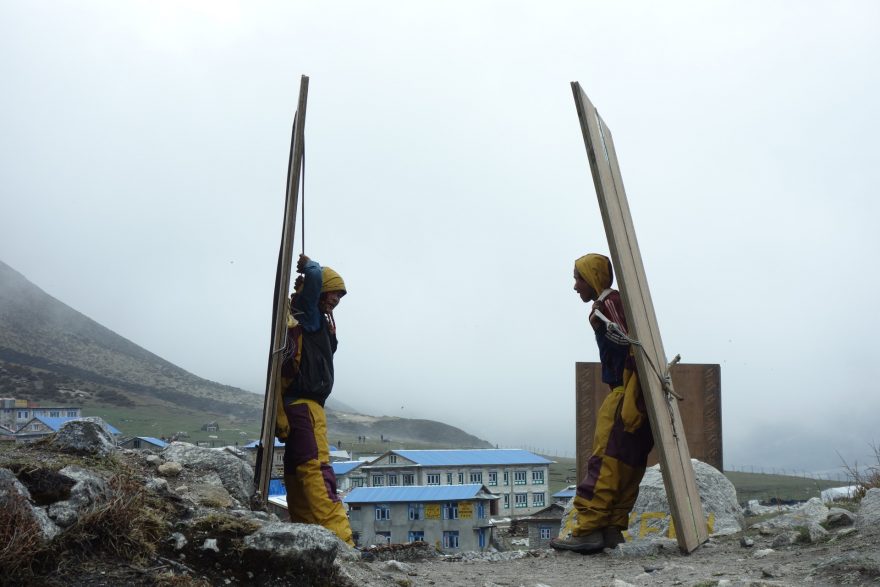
143, 160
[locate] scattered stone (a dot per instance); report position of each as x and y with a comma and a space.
764, 552
211, 544
236, 475
397, 566
170, 469
810, 513
746, 542
771, 573
785, 539
179, 540
817, 533
620, 583
652, 568
154, 460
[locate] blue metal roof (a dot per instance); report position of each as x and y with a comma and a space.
565, 493
276, 487
414, 493
343, 467
492, 456
157, 441
56, 423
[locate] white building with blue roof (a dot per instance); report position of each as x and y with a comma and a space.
518, 478
452, 517
41, 426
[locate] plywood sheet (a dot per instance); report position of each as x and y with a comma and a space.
663, 410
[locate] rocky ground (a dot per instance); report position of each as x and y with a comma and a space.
77, 511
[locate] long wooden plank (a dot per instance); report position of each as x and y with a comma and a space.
266, 448
675, 463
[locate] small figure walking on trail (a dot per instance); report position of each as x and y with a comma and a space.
307, 380
623, 436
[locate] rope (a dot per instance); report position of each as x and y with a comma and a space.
665, 378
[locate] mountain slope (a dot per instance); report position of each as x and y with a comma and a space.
50, 353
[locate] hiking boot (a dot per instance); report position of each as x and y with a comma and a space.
592, 542
612, 536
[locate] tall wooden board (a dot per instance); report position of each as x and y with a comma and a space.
263, 470
675, 460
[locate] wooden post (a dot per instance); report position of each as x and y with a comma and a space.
675, 460
265, 450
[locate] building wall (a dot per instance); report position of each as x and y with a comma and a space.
13, 416
433, 525
540, 533
537, 494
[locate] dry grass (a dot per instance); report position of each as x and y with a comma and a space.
865, 478
21, 539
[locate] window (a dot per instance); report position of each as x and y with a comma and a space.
71, 413
356, 481
461, 478
35, 426
519, 477
450, 539
22, 414
506, 478
493, 478
416, 536
506, 501
392, 459
416, 512
545, 532
383, 537
481, 510
521, 500
538, 477
378, 480
477, 477
450, 511
449, 478
392, 478
409, 479
433, 479
54, 414
383, 512
538, 499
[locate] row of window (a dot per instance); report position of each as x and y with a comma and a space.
407, 479
25, 414
416, 511
521, 500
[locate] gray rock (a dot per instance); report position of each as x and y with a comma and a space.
85, 436
839, 518
307, 547
210, 544
14, 494
817, 533
764, 552
746, 542
157, 485
179, 540
154, 460
717, 494
170, 469
812, 512
88, 489
785, 539
868, 517
236, 475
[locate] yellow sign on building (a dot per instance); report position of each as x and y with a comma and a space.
466, 510
432, 511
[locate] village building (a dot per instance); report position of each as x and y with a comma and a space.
15, 413
563, 496
147, 443
544, 525
518, 477
454, 518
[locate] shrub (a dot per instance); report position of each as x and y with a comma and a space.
867, 478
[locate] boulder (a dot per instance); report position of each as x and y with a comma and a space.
868, 516
808, 515
839, 517
236, 475
88, 489
650, 517
308, 549
15, 501
84, 437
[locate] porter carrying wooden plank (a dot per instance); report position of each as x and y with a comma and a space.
265, 449
643, 332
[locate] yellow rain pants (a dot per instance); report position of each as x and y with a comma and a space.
621, 445
308, 476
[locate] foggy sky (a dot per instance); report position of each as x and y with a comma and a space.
143, 157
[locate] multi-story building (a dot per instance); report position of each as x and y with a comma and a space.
15, 413
453, 518
518, 477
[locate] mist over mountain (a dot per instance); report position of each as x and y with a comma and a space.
52, 354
